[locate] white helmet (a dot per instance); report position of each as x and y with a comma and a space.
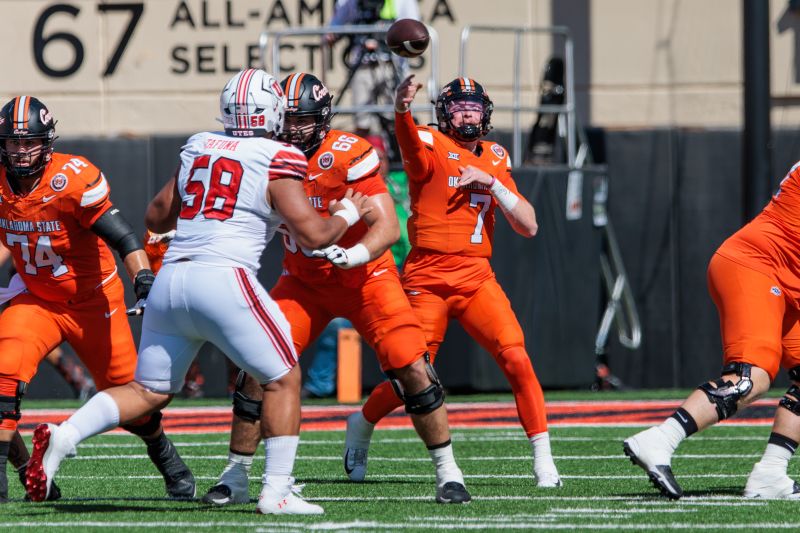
251, 104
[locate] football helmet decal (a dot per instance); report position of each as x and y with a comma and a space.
306, 96
251, 105
26, 118
463, 92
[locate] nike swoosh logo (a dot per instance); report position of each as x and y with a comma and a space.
46, 199
379, 272
347, 469
312, 177
108, 314
495, 163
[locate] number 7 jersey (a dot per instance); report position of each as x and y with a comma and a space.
48, 230
446, 218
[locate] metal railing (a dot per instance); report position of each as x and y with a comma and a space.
270, 45
567, 110
620, 298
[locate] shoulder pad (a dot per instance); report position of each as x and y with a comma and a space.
363, 166
70, 172
95, 191
288, 162
425, 135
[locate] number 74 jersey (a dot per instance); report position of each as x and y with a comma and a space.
48, 230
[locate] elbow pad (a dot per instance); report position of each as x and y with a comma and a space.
117, 232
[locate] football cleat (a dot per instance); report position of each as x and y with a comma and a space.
452, 492
178, 479
223, 495
55, 492
233, 487
770, 483
50, 447
272, 502
355, 463
356, 446
646, 450
548, 479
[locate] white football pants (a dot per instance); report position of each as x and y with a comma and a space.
192, 303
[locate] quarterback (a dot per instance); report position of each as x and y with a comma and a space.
456, 182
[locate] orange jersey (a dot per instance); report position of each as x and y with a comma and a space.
770, 243
343, 161
47, 230
445, 218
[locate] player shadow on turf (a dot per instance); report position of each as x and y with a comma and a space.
716, 491
366, 482
95, 505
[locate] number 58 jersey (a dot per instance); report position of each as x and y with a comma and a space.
48, 230
225, 218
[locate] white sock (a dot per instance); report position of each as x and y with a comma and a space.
446, 468
673, 433
362, 434
542, 456
776, 456
280, 453
236, 462
98, 415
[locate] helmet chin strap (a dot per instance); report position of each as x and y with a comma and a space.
467, 132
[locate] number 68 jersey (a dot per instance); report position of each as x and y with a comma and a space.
48, 230
225, 218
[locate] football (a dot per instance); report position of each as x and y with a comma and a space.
408, 37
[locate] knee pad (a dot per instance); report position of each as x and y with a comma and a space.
145, 426
791, 399
725, 395
243, 406
9, 405
425, 401
794, 373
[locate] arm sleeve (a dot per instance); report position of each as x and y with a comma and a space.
112, 227
417, 158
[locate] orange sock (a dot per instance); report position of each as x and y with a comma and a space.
380, 403
516, 365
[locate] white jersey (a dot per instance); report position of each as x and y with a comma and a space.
225, 218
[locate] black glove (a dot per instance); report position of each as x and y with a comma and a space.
143, 282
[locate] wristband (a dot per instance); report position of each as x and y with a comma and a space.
506, 199
349, 213
357, 255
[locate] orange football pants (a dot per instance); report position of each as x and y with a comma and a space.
440, 287
379, 311
757, 325
96, 328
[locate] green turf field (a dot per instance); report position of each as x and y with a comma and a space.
112, 485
